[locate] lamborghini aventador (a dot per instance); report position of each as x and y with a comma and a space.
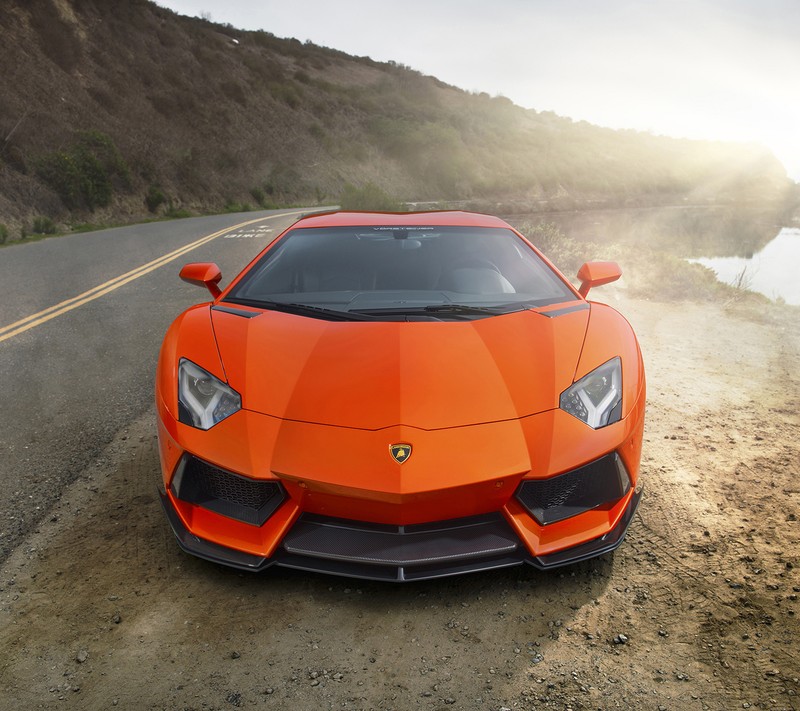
400, 397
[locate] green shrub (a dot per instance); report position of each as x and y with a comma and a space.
286, 93
154, 198
3, 233
85, 175
258, 195
43, 226
285, 185
369, 197
177, 213
233, 206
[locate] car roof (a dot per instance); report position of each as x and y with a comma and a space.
458, 218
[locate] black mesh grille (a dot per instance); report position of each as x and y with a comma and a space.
556, 491
223, 492
600, 482
238, 490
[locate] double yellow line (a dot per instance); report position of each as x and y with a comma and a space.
52, 312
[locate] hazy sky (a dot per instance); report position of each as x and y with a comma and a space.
716, 69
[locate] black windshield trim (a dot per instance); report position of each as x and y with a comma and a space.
439, 310
454, 308
302, 310
566, 310
235, 312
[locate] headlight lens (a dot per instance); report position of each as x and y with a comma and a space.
596, 399
203, 400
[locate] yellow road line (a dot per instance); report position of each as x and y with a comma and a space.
52, 312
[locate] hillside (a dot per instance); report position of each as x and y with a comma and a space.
112, 111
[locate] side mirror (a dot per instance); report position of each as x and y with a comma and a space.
596, 274
205, 274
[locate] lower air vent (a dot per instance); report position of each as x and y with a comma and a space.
249, 500
602, 481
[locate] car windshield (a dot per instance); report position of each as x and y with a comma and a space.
385, 272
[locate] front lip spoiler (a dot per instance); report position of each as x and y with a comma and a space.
206, 549
247, 561
591, 549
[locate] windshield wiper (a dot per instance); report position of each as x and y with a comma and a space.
438, 309
462, 309
302, 310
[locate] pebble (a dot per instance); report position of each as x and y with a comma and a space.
621, 639
82, 656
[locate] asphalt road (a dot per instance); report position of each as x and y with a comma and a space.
81, 321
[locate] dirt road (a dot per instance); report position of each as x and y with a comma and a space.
697, 610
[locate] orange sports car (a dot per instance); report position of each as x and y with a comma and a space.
400, 397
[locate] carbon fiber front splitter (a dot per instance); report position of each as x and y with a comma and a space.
398, 554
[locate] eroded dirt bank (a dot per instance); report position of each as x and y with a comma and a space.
698, 608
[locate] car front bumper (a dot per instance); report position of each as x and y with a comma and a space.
401, 553
247, 501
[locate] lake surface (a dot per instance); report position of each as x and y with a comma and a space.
773, 271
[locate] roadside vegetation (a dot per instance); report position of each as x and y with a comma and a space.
86, 174
187, 116
369, 197
649, 271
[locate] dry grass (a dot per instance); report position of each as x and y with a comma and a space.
207, 112
649, 272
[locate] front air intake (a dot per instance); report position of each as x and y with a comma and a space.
249, 500
600, 482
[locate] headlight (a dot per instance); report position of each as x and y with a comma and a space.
203, 400
597, 397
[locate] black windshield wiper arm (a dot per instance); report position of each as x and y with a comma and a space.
302, 310
434, 310
460, 309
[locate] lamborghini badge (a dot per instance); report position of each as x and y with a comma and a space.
400, 452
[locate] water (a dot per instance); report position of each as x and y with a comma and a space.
773, 271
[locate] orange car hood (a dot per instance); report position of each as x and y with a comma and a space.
371, 375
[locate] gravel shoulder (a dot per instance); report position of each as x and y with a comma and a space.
697, 609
